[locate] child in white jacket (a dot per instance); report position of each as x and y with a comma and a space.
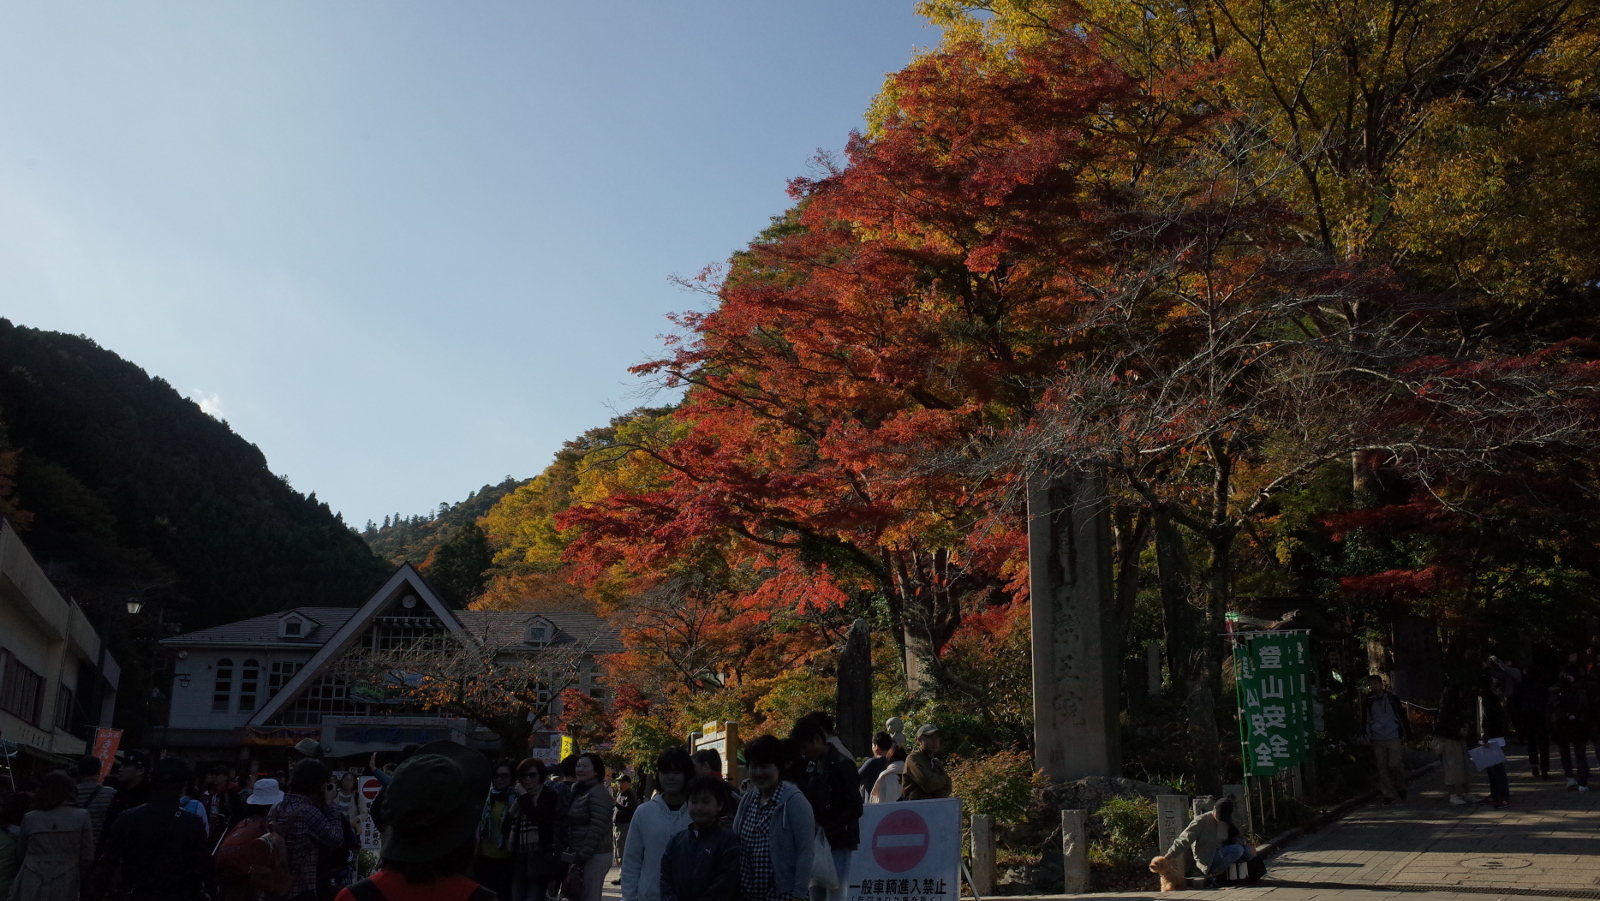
655, 823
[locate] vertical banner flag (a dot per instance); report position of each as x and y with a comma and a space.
106, 742
1273, 678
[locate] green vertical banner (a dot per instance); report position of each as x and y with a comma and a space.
1274, 687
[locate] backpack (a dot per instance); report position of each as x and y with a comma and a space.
254, 853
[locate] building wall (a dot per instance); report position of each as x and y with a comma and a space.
209, 702
44, 642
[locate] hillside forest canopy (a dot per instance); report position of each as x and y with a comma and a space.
1310, 288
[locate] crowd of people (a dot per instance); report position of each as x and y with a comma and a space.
1482, 710
455, 826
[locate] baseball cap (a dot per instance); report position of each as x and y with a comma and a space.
927, 729
434, 802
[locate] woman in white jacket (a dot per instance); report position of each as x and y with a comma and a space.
887, 789
655, 823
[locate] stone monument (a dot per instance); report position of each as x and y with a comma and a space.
1074, 671
853, 715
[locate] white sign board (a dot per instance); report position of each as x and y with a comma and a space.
370, 837
910, 851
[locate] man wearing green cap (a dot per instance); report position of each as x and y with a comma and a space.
431, 811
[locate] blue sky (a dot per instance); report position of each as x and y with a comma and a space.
407, 248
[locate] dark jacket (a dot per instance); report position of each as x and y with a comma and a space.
833, 788
1367, 703
701, 865
627, 802
1569, 713
160, 850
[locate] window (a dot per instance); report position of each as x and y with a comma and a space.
22, 691
64, 715
292, 627
249, 678
278, 675
224, 690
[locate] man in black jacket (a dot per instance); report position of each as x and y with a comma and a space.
833, 787
158, 851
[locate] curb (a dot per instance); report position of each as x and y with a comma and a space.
1275, 844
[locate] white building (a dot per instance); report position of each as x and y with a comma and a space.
49, 654
274, 680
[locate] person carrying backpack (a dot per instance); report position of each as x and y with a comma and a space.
431, 811
251, 863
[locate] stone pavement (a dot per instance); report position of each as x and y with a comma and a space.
1547, 843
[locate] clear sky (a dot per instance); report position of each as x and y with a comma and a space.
407, 248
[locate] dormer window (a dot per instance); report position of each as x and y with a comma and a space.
539, 633
295, 627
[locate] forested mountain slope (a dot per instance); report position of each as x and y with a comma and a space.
124, 486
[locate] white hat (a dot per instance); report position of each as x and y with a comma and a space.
266, 792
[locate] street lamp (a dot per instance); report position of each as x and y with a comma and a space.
135, 605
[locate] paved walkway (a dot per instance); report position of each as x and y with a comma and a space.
1547, 843
1547, 840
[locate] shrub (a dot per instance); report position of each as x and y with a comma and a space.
1128, 830
1003, 785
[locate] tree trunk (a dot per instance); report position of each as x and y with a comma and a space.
1189, 654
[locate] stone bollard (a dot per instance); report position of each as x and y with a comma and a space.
983, 865
1172, 815
1075, 851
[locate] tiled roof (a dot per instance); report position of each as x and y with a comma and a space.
263, 630
570, 626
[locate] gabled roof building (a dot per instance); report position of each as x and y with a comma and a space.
274, 680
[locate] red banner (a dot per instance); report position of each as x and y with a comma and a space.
105, 748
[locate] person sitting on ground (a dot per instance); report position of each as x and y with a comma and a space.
887, 789
1214, 842
432, 808
656, 821
925, 776
882, 744
702, 861
159, 849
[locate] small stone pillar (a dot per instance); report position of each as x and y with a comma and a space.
1074, 667
983, 856
1075, 851
853, 716
1172, 815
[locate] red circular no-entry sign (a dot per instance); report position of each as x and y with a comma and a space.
900, 841
370, 787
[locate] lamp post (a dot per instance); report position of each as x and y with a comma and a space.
133, 605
